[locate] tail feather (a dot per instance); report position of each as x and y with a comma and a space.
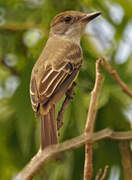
54, 139
48, 128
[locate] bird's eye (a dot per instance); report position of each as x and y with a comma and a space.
67, 19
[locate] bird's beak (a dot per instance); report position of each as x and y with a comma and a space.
88, 17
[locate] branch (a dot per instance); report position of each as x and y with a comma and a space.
98, 174
105, 172
116, 77
88, 168
126, 160
43, 156
102, 175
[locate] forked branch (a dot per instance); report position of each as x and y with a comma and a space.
43, 156
102, 175
87, 138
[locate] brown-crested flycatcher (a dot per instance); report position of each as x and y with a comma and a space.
57, 68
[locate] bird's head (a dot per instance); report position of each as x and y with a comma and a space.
71, 24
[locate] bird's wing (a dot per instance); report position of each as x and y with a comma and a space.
57, 77
34, 94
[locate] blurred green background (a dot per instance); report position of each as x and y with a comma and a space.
24, 27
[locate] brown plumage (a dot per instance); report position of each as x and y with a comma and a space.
56, 69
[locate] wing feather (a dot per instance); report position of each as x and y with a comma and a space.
55, 73
55, 83
33, 94
46, 82
53, 79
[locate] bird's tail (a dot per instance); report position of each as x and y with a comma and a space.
48, 128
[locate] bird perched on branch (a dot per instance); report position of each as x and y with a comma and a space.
57, 68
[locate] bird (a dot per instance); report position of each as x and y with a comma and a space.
57, 68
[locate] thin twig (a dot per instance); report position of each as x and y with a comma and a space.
102, 175
88, 168
116, 77
43, 156
105, 172
126, 159
69, 96
98, 174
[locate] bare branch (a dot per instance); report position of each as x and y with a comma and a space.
116, 77
87, 138
94, 100
102, 175
98, 174
126, 159
105, 172
88, 168
43, 156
